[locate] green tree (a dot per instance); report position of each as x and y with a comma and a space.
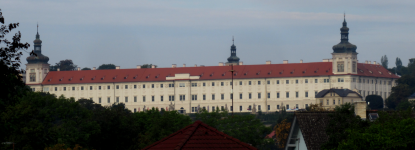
384, 61
148, 66
63, 65
405, 87
343, 118
86, 68
106, 66
375, 101
398, 63
389, 131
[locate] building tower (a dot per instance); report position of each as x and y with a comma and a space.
344, 54
233, 59
37, 66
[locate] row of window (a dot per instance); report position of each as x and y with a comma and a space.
195, 109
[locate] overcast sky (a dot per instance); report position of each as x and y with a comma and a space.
128, 33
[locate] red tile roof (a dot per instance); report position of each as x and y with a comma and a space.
199, 136
208, 73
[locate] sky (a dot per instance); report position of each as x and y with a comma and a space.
128, 33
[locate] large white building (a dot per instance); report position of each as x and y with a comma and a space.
266, 87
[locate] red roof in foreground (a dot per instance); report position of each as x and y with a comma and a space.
208, 73
199, 136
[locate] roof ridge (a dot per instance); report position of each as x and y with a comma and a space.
171, 135
186, 138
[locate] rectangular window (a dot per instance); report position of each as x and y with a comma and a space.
144, 86
161, 85
231, 108
249, 95
108, 87
99, 87
213, 83
334, 102
99, 100
269, 107
240, 108
259, 82
296, 81
287, 81
315, 80
288, 106
306, 105
161, 98
315, 93
135, 110
268, 82
340, 79
222, 108
181, 85
360, 80
64, 88
278, 106
296, 94
296, 106
144, 98
354, 79
327, 102
82, 88
249, 82
222, 96
278, 94
222, 84
171, 97
90, 98
126, 99
117, 99
240, 82
259, 95
135, 98
287, 94
269, 95
306, 81
194, 84
213, 108
204, 96
182, 97
213, 96
135, 86
259, 107
117, 87
73, 88
194, 97
231, 95
306, 94
33, 77
193, 109
126, 86
152, 98
108, 100
339, 101
204, 84
152, 86
278, 81
171, 85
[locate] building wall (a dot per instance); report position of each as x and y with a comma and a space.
261, 86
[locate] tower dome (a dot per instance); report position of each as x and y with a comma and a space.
40, 58
233, 58
344, 46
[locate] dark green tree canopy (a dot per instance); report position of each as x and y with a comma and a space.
106, 66
64, 65
86, 68
375, 101
148, 66
398, 63
384, 61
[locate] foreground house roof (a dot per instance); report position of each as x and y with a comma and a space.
340, 92
199, 136
208, 73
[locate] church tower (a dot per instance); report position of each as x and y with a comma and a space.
233, 59
37, 66
344, 54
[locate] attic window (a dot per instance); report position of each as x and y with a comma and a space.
60, 79
211, 74
269, 73
157, 76
315, 71
147, 76
327, 70
245, 73
168, 75
235, 74
70, 79
93, 78
135, 77
370, 71
303, 71
81, 78
258, 73
292, 72
281, 72
49, 80
125, 77
223, 74
103, 78
361, 70
390, 73
380, 72
114, 77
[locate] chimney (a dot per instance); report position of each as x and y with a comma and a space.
79, 68
138, 66
94, 68
325, 60
184, 65
268, 62
241, 63
360, 109
117, 67
374, 62
173, 65
195, 65
58, 69
370, 62
153, 66
366, 62
330, 60
301, 61
285, 61
220, 63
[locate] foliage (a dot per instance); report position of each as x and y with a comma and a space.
315, 107
343, 118
39, 120
375, 101
63, 147
86, 68
106, 66
389, 131
384, 61
63, 65
148, 66
246, 128
405, 87
398, 63
281, 132
405, 104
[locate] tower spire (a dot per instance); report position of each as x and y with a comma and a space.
233, 41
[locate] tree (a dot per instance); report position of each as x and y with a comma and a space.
64, 65
405, 87
384, 61
106, 66
375, 101
281, 132
398, 63
86, 68
389, 131
343, 118
148, 66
